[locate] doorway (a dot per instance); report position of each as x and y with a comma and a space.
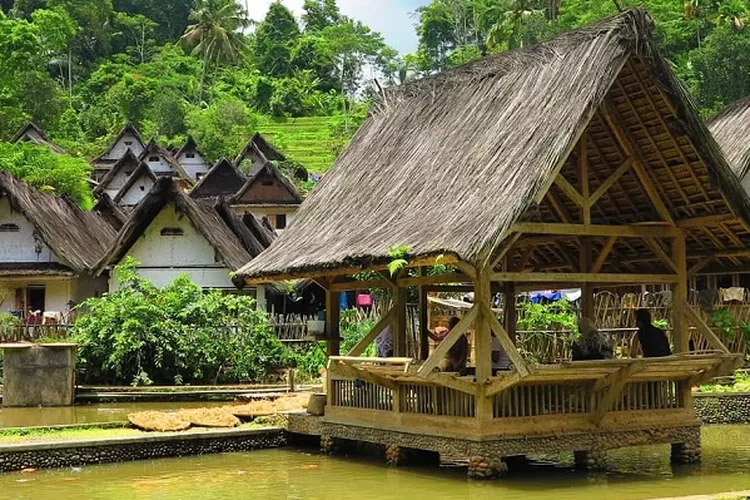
36, 298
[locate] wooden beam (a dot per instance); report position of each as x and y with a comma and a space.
700, 265
508, 346
424, 340
505, 246
442, 349
693, 317
610, 181
502, 383
346, 370
614, 389
452, 381
398, 322
333, 318
482, 337
465, 268
708, 220
658, 250
603, 254
626, 371
430, 280
558, 207
586, 278
567, 188
345, 286
625, 231
680, 333
361, 346
583, 171
631, 148
725, 366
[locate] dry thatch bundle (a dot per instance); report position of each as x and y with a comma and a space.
448, 164
263, 407
158, 421
730, 128
209, 417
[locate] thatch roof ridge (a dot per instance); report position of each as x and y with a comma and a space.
46, 141
76, 237
731, 129
154, 148
262, 147
189, 144
203, 184
140, 170
205, 218
269, 168
446, 165
110, 211
238, 226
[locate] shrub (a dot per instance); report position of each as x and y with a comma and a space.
143, 334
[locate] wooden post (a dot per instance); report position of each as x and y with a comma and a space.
680, 295
587, 290
483, 343
424, 341
510, 316
333, 317
398, 327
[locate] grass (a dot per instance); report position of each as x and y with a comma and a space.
741, 384
307, 140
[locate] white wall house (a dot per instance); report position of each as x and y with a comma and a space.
192, 160
136, 187
48, 247
114, 180
169, 235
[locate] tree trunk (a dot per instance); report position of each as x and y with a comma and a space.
203, 77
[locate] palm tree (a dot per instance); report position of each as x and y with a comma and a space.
216, 32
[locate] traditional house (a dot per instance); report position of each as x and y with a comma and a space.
582, 162
224, 179
48, 247
192, 160
117, 176
31, 133
267, 193
136, 187
170, 234
256, 153
127, 139
162, 163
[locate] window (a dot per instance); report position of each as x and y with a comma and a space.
143, 188
9, 228
128, 143
172, 231
153, 159
189, 155
199, 175
128, 173
280, 221
266, 182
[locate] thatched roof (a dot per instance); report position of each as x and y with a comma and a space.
447, 164
260, 148
731, 129
128, 161
110, 211
224, 179
289, 195
32, 133
129, 128
34, 269
141, 170
76, 237
207, 219
189, 145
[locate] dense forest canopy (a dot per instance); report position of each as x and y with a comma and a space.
80, 69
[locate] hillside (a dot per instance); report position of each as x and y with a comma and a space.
308, 140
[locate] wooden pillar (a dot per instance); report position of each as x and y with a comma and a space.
424, 341
510, 316
333, 316
483, 343
680, 333
398, 327
587, 290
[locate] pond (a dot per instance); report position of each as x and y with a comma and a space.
300, 474
86, 414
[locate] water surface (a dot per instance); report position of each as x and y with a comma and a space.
288, 474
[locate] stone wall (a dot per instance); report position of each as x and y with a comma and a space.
722, 407
51, 455
39, 375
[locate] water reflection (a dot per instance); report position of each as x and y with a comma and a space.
297, 474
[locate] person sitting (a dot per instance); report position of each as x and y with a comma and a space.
654, 343
592, 344
500, 359
458, 354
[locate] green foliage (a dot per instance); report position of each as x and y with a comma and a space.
142, 334
50, 172
398, 261
723, 320
8, 321
222, 129
559, 315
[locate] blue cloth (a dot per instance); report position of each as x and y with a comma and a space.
551, 295
344, 301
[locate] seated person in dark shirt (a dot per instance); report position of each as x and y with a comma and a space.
654, 343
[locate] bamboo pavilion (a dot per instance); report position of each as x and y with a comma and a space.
581, 162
